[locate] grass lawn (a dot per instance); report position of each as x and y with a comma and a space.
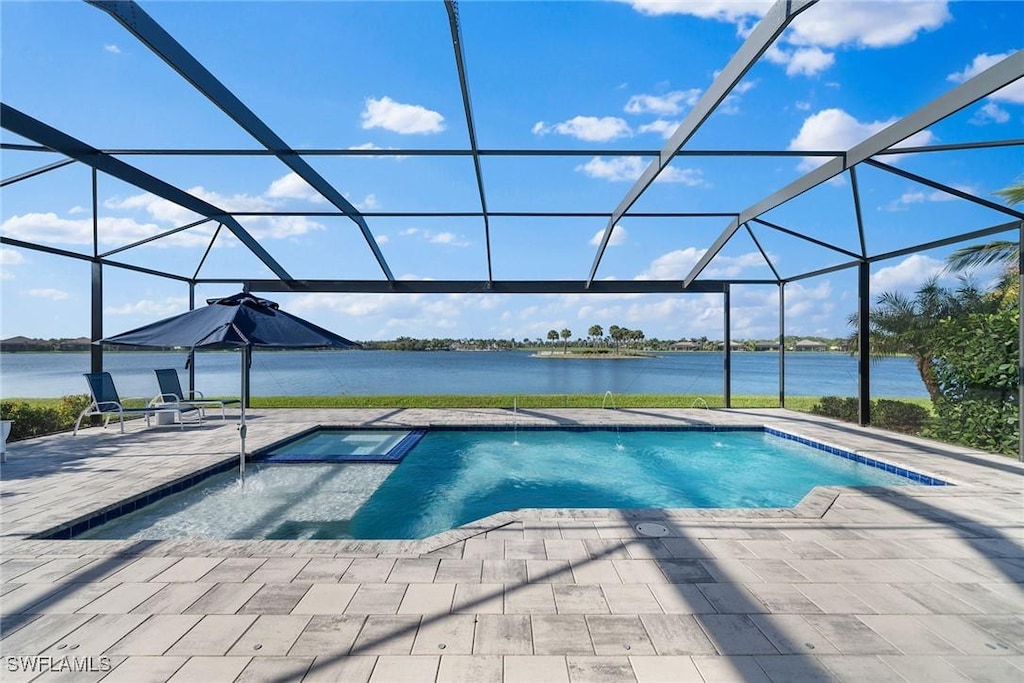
801, 403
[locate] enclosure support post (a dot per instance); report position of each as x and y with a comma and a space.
191, 352
782, 344
96, 298
1020, 343
864, 342
727, 350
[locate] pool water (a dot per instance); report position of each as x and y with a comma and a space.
453, 478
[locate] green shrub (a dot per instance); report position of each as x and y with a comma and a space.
908, 418
839, 407
976, 370
38, 420
898, 416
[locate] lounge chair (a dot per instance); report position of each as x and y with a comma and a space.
172, 395
107, 403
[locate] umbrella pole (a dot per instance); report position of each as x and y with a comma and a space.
246, 351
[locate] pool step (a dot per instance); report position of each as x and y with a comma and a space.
395, 455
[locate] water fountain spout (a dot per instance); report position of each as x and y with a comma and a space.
515, 420
604, 401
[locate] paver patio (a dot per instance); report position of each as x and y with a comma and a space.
908, 584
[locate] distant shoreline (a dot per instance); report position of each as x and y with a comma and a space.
591, 356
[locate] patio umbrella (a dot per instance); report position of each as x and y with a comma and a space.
238, 321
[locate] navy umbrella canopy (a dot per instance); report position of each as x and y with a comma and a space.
238, 321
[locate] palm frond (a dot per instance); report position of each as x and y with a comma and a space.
977, 255
1014, 194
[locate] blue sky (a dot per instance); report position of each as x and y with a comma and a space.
565, 75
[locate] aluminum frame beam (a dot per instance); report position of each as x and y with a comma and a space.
27, 127
935, 185
36, 171
484, 287
806, 238
54, 251
781, 14
448, 152
154, 238
864, 343
995, 77
460, 64
137, 22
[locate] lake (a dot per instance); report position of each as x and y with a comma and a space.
365, 373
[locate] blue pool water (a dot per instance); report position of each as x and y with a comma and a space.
453, 478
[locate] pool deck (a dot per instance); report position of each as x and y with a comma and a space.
893, 584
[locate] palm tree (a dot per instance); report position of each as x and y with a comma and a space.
902, 324
552, 335
595, 332
1003, 252
566, 333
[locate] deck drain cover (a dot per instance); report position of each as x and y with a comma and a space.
652, 529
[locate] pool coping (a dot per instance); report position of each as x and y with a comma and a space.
812, 506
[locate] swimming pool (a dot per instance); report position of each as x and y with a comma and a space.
452, 478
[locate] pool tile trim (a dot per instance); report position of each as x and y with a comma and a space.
924, 479
80, 525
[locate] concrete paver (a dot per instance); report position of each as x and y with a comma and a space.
903, 584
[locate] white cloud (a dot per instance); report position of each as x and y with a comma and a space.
908, 274
661, 127
369, 203
382, 239
668, 104
731, 11
112, 49
834, 129
393, 315
10, 257
275, 227
52, 294
990, 112
866, 24
618, 237
831, 25
807, 61
49, 228
920, 197
291, 186
151, 308
1014, 92
588, 128
623, 169
616, 169
676, 265
74, 210
371, 146
406, 119
447, 238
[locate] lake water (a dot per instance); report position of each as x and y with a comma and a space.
365, 373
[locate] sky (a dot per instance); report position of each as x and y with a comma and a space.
600, 76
